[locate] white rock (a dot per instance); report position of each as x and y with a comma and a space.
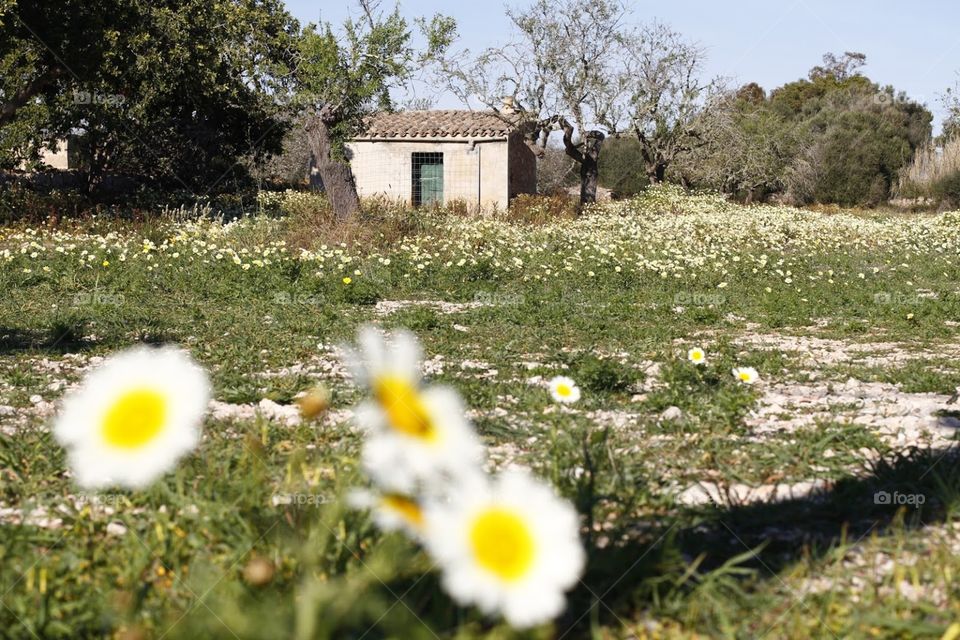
671, 414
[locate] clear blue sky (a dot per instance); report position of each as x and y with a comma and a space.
915, 46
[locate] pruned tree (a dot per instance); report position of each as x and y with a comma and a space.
563, 70
343, 77
667, 96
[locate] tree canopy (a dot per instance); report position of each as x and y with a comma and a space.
174, 91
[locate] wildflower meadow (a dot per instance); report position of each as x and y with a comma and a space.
671, 417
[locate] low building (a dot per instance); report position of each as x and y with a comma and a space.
61, 155
478, 158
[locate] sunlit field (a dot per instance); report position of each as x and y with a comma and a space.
816, 499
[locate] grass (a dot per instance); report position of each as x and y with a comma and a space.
668, 273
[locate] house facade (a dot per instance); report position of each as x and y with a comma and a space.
440, 157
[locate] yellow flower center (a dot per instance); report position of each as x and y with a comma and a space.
745, 376
404, 408
135, 418
405, 508
564, 390
502, 543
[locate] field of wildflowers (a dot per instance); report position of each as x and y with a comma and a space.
673, 417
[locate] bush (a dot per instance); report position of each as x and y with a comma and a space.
947, 189
601, 375
621, 169
531, 209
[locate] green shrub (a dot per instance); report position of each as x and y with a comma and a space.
601, 375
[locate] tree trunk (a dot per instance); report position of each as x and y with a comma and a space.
656, 172
338, 180
590, 168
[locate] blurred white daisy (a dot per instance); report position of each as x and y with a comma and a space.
746, 375
415, 435
133, 417
391, 511
510, 546
697, 356
417, 438
564, 389
379, 359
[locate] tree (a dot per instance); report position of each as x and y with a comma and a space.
840, 68
340, 80
563, 70
950, 101
173, 91
667, 97
747, 147
836, 137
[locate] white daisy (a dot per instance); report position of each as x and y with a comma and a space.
415, 436
391, 511
564, 389
510, 546
746, 375
697, 356
379, 359
133, 417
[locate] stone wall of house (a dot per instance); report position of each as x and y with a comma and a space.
475, 174
523, 167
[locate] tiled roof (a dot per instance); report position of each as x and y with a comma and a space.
438, 124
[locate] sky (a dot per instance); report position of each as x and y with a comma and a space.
914, 46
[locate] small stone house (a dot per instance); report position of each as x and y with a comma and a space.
62, 154
440, 157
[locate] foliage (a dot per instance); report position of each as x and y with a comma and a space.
150, 85
621, 167
835, 137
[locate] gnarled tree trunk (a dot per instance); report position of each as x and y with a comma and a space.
338, 180
590, 167
656, 171
587, 156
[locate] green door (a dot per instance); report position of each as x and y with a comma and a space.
427, 179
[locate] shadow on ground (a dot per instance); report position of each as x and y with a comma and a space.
57, 339
763, 540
